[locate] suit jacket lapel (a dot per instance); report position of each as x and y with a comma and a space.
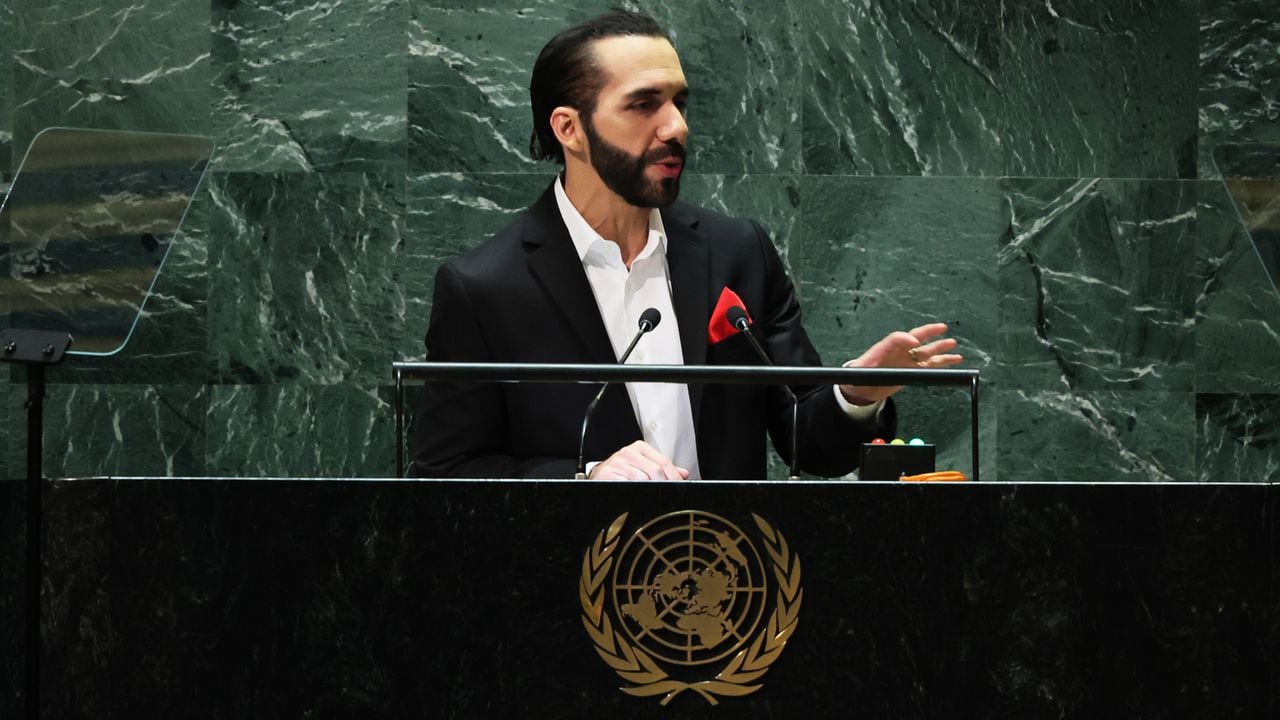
687, 263
555, 261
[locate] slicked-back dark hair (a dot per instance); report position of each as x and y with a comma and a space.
566, 73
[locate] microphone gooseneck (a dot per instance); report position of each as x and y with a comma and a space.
737, 316
649, 320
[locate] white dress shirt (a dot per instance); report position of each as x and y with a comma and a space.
662, 410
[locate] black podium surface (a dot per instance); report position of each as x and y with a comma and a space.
211, 598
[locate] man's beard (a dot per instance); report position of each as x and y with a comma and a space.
623, 173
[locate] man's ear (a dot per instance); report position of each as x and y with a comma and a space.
567, 126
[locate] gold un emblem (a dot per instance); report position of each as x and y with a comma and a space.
683, 604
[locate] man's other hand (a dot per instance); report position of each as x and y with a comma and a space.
638, 461
914, 349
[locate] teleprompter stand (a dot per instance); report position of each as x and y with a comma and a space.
34, 349
84, 231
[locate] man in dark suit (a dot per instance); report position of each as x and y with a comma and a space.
567, 281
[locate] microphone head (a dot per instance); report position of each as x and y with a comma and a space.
649, 319
737, 316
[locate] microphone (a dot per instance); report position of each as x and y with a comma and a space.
649, 320
737, 317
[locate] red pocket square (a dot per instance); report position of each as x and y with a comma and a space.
719, 328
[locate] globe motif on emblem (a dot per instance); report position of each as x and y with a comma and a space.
689, 588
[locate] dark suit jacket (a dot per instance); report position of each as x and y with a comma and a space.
523, 297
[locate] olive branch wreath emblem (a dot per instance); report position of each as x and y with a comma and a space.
647, 678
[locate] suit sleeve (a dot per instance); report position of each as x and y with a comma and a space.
460, 428
829, 441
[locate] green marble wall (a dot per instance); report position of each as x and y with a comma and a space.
1238, 82
6, 90
1037, 174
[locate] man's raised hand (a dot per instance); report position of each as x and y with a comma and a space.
914, 349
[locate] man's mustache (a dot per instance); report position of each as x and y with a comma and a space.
672, 149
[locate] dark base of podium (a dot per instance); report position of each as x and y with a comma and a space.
238, 598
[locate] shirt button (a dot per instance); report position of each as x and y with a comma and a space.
653, 426
640, 355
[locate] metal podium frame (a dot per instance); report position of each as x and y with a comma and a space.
687, 374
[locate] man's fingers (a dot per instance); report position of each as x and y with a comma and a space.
604, 471
623, 470
666, 469
930, 330
646, 450
642, 467
899, 339
938, 346
932, 355
904, 350
938, 361
640, 461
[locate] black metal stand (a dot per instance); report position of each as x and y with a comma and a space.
35, 349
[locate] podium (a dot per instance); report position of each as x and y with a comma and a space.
222, 598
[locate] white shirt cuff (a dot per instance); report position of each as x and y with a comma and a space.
861, 413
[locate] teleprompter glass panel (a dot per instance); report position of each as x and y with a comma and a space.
86, 227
